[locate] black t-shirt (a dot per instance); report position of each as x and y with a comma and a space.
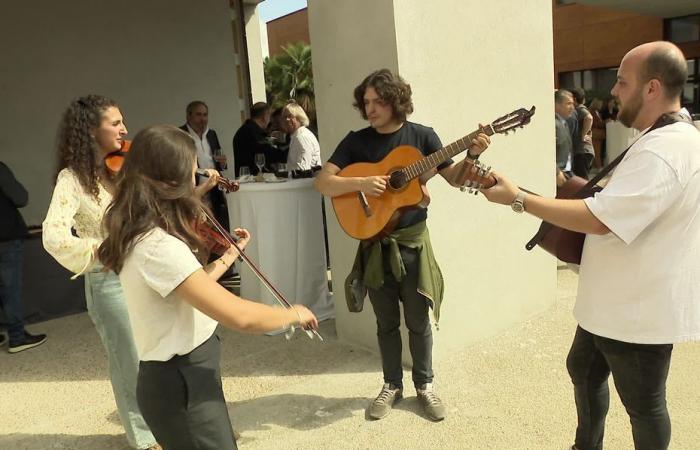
367, 145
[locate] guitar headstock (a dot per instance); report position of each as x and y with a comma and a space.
516, 119
474, 176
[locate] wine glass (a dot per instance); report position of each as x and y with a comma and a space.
260, 161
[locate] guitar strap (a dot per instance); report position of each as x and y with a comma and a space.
591, 187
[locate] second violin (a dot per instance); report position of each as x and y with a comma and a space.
224, 184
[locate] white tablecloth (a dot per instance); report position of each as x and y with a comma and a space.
286, 224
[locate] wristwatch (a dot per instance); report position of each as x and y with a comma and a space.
518, 204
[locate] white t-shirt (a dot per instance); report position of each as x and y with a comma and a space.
163, 324
204, 158
304, 151
639, 283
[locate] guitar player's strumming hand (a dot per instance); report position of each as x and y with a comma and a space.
375, 185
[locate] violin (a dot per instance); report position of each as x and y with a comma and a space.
114, 160
219, 241
216, 242
224, 184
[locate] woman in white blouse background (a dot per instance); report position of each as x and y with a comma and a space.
91, 127
304, 151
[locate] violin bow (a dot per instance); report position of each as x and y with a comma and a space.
273, 290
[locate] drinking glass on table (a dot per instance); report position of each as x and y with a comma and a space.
282, 170
243, 173
260, 161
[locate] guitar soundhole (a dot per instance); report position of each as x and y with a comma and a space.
398, 180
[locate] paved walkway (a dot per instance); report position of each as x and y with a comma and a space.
510, 391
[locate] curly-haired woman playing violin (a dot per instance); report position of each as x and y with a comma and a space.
91, 128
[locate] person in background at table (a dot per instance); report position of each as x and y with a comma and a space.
277, 131
401, 267
304, 151
251, 138
610, 111
173, 299
582, 145
563, 108
637, 292
209, 157
91, 127
598, 131
12, 231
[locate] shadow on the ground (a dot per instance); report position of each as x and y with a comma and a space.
19, 441
294, 411
74, 352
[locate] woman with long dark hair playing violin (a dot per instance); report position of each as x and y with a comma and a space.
154, 244
92, 127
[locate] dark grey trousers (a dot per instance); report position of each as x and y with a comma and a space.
182, 400
639, 372
385, 302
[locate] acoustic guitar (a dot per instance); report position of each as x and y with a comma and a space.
363, 217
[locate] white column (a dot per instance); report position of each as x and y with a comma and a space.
255, 48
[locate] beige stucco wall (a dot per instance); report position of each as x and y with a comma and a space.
151, 57
467, 62
257, 50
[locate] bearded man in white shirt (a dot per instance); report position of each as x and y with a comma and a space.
636, 294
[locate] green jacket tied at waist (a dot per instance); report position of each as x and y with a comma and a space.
430, 282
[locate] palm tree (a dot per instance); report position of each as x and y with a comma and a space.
288, 76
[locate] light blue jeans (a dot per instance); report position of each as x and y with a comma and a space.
107, 309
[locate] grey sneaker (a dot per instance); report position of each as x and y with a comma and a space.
381, 406
434, 408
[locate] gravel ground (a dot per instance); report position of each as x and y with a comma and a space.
510, 391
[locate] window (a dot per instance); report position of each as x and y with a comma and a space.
597, 82
683, 29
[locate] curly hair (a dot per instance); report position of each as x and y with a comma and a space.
76, 147
391, 88
154, 188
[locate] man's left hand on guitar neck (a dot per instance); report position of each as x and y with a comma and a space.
479, 145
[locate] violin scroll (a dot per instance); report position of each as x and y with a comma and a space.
224, 184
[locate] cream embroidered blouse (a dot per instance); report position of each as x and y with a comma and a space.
73, 208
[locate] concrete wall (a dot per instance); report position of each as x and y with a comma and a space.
476, 62
152, 57
256, 53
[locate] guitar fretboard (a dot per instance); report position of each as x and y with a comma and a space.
435, 159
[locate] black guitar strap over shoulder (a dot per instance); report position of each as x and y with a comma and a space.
592, 186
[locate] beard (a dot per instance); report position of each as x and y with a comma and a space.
630, 110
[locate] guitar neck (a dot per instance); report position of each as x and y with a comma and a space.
433, 160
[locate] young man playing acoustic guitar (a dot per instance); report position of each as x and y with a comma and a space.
400, 266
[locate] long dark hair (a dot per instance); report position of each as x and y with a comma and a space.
390, 88
76, 146
153, 189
